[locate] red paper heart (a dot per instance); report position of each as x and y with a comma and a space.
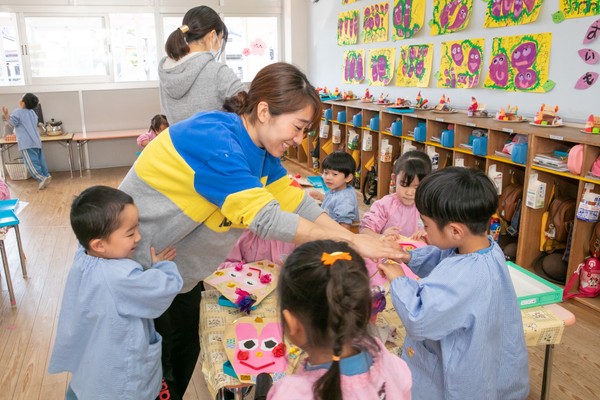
279, 350
243, 355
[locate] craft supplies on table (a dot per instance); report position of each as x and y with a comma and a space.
532, 290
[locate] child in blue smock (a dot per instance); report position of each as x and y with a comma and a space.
340, 203
105, 334
25, 122
464, 333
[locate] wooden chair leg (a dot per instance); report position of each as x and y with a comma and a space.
11, 293
21, 252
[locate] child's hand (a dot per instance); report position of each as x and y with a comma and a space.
316, 195
420, 236
167, 254
5, 111
393, 232
391, 271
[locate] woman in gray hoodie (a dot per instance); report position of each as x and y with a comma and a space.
191, 78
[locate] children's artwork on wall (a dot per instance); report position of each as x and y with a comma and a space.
347, 29
375, 23
354, 66
511, 12
461, 62
450, 16
258, 279
579, 8
381, 66
520, 63
414, 67
586, 81
409, 16
254, 345
589, 56
344, 2
592, 32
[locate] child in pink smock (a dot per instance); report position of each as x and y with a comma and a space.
250, 248
158, 124
396, 214
325, 302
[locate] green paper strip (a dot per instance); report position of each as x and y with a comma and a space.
549, 85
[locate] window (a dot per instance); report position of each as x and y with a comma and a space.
66, 46
133, 41
11, 71
170, 24
252, 45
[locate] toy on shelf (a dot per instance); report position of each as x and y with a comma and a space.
509, 115
547, 117
444, 106
400, 102
319, 90
421, 102
368, 97
592, 125
336, 93
349, 95
383, 100
477, 109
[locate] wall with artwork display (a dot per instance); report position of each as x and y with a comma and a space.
500, 51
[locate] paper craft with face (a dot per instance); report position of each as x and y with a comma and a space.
457, 53
474, 61
523, 56
258, 352
499, 70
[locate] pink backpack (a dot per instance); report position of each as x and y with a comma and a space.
589, 280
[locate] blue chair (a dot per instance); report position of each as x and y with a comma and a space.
8, 218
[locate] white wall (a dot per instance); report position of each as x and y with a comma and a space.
325, 59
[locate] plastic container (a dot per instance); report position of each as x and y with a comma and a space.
495, 229
519, 153
397, 128
447, 138
341, 117
357, 120
328, 114
374, 124
480, 146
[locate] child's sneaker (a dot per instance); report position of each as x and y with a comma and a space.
46, 181
42, 185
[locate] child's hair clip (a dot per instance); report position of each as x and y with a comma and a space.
330, 259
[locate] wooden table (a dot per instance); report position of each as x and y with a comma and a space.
64, 139
84, 138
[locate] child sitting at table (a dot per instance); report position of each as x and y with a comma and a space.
25, 122
464, 332
106, 336
158, 123
340, 203
325, 303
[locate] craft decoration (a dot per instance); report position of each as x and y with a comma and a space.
347, 30
258, 47
461, 63
375, 23
381, 66
511, 12
444, 104
254, 345
383, 100
336, 92
476, 109
378, 300
509, 114
588, 56
519, 63
400, 102
558, 17
578, 8
354, 66
414, 66
344, 2
421, 102
450, 16
592, 125
592, 32
367, 97
409, 16
586, 80
246, 282
547, 116
349, 95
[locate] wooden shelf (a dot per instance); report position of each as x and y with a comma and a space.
505, 160
565, 174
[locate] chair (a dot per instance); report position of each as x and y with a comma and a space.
8, 219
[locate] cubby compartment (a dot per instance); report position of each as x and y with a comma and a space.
367, 115
511, 173
547, 147
409, 125
435, 129
590, 154
342, 136
336, 110
387, 119
385, 169
470, 161
350, 113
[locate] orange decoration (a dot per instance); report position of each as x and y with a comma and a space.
330, 259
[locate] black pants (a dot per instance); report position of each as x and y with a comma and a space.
179, 327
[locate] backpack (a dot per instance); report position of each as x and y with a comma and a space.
509, 201
557, 222
589, 280
513, 229
369, 189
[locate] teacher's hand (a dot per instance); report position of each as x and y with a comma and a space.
369, 247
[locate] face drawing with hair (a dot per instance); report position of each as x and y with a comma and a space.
258, 352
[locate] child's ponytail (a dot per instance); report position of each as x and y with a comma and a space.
176, 47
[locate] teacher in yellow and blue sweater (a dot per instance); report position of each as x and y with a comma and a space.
205, 179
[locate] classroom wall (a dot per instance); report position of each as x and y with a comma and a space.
325, 59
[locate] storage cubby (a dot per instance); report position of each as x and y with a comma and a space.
590, 154
339, 146
385, 169
367, 115
409, 124
496, 141
350, 113
434, 129
542, 145
475, 162
511, 173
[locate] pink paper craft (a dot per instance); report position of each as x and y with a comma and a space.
254, 353
377, 279
588, 56
258, 47
592, 32
586, 80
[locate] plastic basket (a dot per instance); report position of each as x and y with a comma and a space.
17, 171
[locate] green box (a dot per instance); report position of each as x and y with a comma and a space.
533, 291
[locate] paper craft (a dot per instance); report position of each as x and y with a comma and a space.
381, 66
519, 63
344, 2
592, 32
547, 116
509, 115
258, 279
254, 345
375, 23
586, 80
414, 66
588, 56
421, 103
579, 8
409, 16
450, 16
592, 125
347, 30
461, 63
354, 66
444, 104
511, 12
476, 109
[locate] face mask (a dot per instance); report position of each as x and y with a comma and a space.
215, 53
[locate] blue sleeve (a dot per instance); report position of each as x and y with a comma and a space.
424, 259
434, 307
143, 294
344, 210
14, 119
276, 170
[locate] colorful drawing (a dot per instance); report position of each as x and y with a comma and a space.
381, 66
520, 63
347, 30
354, 66
589, 56
409, 16
375, 23
461, 63
579, 8
511, 12
450, 16
592, 32
414, 67
344, 2
586, 81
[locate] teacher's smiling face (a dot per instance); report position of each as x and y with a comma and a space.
276, 133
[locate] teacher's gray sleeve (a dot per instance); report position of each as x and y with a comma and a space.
228, 83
